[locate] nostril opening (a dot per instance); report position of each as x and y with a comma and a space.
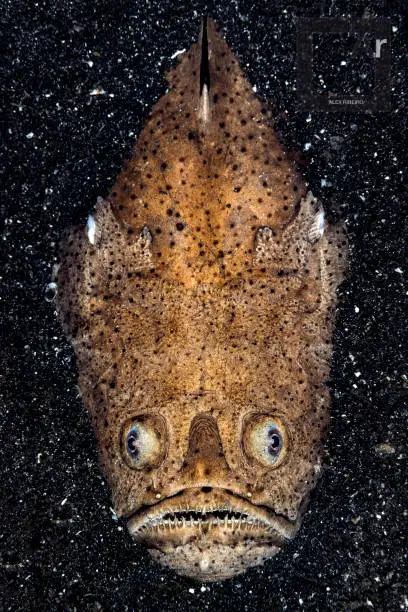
206, 489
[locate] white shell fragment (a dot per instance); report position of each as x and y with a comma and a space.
177, 53
50, 292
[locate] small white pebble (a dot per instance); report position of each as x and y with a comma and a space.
30, 135
356, 309
398, 270
98, 91
158, 496
192, 591
384, 449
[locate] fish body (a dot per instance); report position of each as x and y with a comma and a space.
200, 302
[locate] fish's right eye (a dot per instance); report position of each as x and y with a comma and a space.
143, 442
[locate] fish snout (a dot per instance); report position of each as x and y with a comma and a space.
205, 463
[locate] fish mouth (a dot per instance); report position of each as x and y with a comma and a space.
193, 531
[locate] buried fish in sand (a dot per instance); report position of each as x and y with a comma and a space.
200, 302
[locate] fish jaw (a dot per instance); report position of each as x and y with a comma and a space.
210, 539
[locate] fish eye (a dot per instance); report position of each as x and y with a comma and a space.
265, 440
143, 441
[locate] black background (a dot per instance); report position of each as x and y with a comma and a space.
61, 548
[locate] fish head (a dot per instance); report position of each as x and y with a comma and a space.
213, 485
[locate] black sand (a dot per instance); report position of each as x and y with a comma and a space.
61, 549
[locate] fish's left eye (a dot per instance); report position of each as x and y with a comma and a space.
143, 443
265, 439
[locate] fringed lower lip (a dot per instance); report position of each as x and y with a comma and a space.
229, 515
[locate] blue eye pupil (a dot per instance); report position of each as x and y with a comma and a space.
132, 443
274, 442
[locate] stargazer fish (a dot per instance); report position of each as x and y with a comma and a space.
200, 301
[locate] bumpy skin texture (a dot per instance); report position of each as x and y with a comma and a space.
206, 300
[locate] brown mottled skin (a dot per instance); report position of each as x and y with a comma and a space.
203, 310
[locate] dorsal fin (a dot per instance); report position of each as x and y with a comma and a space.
204, 108
204, 64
